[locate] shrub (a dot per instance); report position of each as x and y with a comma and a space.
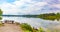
25, 26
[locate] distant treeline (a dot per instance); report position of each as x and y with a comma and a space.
20, 15
50, 16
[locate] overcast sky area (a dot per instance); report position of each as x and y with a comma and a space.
23, 7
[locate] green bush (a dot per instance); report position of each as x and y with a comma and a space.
25, 26
1, 14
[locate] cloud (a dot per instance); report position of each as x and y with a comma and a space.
49, 1
8, 8
18, 7
56, 5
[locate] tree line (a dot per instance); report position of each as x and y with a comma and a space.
50, 16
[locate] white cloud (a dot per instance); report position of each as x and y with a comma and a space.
56, 5
15, 7
34, 7
8, 8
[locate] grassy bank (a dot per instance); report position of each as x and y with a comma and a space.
27, 28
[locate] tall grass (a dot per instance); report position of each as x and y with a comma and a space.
27, 28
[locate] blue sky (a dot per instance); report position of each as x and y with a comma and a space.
20, 7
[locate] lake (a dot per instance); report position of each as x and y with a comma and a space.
34, 22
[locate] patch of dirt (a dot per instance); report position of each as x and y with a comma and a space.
10, 28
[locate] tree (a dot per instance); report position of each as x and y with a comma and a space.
1, 12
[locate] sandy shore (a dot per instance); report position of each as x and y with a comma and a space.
10, 28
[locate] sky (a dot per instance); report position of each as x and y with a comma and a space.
25, 7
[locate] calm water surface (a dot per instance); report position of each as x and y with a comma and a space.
34, 22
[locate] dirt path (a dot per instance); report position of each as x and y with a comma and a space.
10, 28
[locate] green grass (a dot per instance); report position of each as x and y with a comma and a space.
27, 28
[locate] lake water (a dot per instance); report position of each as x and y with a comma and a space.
34, 22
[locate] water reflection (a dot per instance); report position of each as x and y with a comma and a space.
34, 22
